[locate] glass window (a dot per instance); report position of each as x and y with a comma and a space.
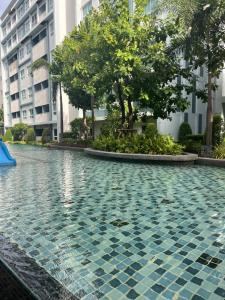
14, 39
5, 48
22, 74
46, 108
26, 4
38, 110
27, 26
87, 8
21, 53
23, 95
42, 9
24, 114
30, 92
21, 32
37, 87
9, 43
34, 19
186, 117
8, 26
28, 71
50, 4
51, 28
28, 48
31, 113
14, 19
20, 11
45, 84
4, 30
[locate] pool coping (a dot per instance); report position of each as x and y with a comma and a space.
36, 281
60, 147
212, 162
185, 158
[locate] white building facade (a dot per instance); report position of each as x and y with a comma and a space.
30, 29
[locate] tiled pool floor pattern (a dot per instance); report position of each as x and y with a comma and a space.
113, 230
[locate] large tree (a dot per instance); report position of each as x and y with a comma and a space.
204, 21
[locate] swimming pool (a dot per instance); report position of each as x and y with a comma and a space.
115, 230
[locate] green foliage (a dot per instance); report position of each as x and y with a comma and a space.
219, 151
30, 135
112, 123
136, 143
19, 131
8, 137
46, 136
217, 129
193, 146
151, 130
67, 135
196, 137
184, 131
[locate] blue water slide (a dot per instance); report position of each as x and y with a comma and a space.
5, 158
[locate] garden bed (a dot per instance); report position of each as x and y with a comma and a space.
179, 159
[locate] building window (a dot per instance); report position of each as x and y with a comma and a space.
28, 48
22, 74
23, 95
41, 86
8, 26
24, 114
28, 71
20, 11
186, 117
54, 108
50, 5
13, 78
39, 37
87, 8
45, 84
30, 92
34, 19
21, 53
37, 87
26, 5
46, 108
31, 113
16, 115
200, 123
14, 96
4, 48
27, 26
14, 19
14, 40
4, 30
21, 32
38, 110
42, 9
9, 44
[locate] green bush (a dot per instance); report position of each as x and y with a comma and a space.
184, 131
158, 144
193, 146
112, 123
19, 131
217, 130
8, 136
46, 136
151, 130
30, 135
219, 151
68, 141
67, 135
196, 138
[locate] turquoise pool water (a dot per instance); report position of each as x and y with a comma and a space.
114, 230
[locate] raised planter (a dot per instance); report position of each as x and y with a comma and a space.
186, 158
66, 147
213, 162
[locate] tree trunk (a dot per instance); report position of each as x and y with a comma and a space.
93, 116
130, 114
122, 106
209, 118
61, 110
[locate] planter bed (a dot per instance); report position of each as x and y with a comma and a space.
185, 158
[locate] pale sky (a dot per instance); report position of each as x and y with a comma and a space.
3, 5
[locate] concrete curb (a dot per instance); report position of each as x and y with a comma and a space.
212, 162
58, 147
186, 158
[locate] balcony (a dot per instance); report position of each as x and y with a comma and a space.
40, 49
15, 106
40, 75
13, 68
14, 87
41, 98
42, 118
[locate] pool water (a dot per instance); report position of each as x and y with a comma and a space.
115, 230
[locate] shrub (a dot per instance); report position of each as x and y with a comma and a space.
219, 151
216, 130
46, 136
193, 146
184, 130
19, 131
68, 141
196, 137
30, 135
67, 135
158, 144
151, 130
8, 136
112, 123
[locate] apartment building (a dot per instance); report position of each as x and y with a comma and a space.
30, 29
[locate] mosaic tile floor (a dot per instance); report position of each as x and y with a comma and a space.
113, 230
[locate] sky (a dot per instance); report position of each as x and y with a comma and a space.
3, 5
